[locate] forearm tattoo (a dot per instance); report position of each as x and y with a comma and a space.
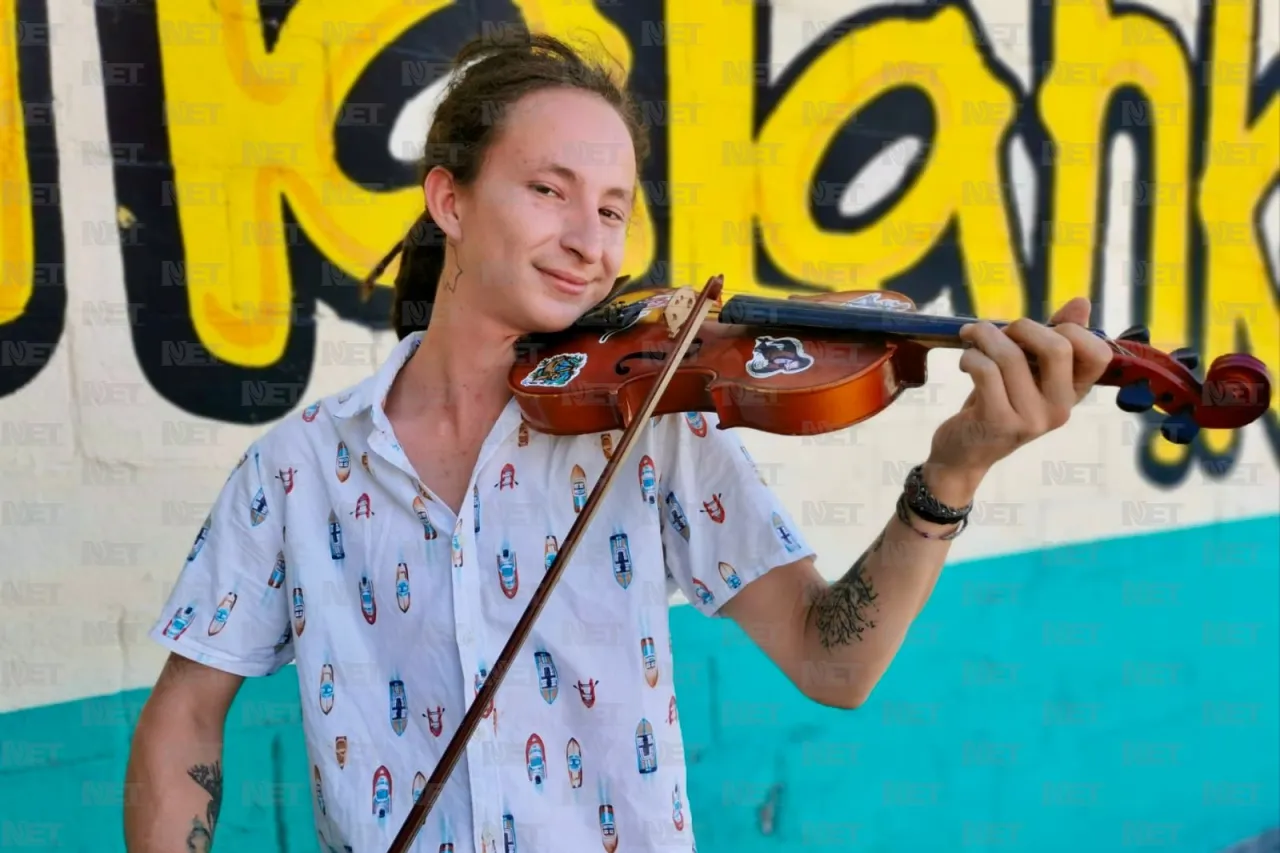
839, 611
209, 777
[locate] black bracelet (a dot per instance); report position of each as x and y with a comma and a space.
903, 516
921, 501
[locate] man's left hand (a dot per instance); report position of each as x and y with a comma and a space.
1011, 405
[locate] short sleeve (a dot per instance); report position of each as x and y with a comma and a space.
722, 525
229, 607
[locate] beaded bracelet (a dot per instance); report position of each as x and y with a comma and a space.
905, 517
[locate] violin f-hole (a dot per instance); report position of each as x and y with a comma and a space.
622, 368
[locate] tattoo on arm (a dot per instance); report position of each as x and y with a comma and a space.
209, 777
840, 610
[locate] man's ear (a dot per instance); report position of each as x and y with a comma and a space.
441, 194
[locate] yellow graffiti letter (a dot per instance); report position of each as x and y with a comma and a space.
17, 258
1095, 53
712, 148
938, 56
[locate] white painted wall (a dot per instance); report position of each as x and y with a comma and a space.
100, 511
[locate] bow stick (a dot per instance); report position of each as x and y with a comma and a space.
418, 814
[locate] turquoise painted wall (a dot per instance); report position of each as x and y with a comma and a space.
1111, 696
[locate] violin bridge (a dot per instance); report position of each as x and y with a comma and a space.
678, 309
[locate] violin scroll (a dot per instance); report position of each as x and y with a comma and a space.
1235, 391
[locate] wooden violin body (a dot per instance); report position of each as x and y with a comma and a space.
766, 378
813, 364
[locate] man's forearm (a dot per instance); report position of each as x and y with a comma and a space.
173, 788
855, 626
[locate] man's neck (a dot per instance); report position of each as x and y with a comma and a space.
457, 380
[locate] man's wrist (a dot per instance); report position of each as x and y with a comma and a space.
953, 486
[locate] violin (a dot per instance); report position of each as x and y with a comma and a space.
807, 364
810, 364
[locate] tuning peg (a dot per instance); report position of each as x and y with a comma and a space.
1136, 397
1187, 357
1180, 428
1136, 333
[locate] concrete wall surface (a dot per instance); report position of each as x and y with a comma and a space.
192, 191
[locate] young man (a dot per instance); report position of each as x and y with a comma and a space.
389, 538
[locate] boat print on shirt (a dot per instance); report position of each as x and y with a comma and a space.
648, 481
368, 607
258, 505
587, 691
180, 621
381, 793
675, 513
548, 676
549, 551
202, 536
328, 691
649, 661
608, 829
420, 509
621, 555
363, 508
646, 748
336, 552
342, 462
573, 761
399, 706
220, 616
535, 759
783, 534
730, 576
508, 574
319, 789
714, 509
402, 586
276, 579
435, 720
578, 488
507, 478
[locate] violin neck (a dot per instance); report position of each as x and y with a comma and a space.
925, 329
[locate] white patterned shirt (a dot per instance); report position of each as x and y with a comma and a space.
326, 549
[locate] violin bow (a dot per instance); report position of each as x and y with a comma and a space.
435, 785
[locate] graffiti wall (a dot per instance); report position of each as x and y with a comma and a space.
193, 190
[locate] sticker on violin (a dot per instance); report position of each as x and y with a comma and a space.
771, 356
879, 300
556, 371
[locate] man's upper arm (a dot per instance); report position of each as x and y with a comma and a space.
229, 606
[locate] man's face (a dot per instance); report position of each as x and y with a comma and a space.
544, 226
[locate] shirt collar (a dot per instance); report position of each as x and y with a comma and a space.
360, 398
